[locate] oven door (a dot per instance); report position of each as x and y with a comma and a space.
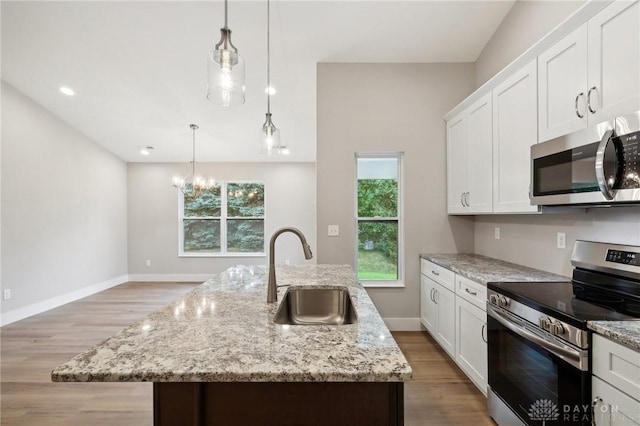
539, 379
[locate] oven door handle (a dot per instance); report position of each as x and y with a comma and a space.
570, 355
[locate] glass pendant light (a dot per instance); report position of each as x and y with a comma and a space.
270, 135
225, 70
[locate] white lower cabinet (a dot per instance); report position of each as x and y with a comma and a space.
615, 383
452, 309
437, 313
471, 345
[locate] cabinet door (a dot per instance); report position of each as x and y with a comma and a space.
480, 139
446, 333
614, 61
456, 163
471, 347
562, 76
515, 124
613, 407
428, 308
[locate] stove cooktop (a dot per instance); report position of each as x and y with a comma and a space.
572, 302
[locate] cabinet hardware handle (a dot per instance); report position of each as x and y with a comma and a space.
594, 404
576, 105
466, 199
591, 110
435, 273
484, 327
431, 296
473, 293
462, 199
435, 296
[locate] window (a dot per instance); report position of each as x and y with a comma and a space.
225, 220
378, 219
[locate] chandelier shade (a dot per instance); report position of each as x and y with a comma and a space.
225, 70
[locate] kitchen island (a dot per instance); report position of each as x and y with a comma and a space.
216, 357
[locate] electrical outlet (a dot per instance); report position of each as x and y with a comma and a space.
147, 263
333, 230
6, 294
496, 233
561, 240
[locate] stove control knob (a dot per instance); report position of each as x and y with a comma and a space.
493, 299
545, 323
557, 329
503, 301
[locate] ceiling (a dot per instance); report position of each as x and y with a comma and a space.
139, 68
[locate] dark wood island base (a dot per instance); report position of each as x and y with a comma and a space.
278, 403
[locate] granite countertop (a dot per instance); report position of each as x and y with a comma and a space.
624, 332
483, 269
222, 332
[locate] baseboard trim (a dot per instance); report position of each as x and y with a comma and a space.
39, 307
171, 277
402, 324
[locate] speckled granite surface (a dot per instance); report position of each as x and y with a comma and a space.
222, 332
484, 269
624, 332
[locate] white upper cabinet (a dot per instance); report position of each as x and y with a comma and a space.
593, 74
614, 61
562, 72
515, 127
469, 168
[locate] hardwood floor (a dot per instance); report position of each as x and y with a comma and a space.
439, 393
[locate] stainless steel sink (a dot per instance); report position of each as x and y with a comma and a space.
316, 306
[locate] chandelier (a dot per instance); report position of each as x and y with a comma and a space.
225, 70
270, 134
192, 185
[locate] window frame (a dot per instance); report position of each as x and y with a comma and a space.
224, 218
399, 157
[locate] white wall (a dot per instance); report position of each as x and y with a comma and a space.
531, 240
290, 200
389, 107
64, 208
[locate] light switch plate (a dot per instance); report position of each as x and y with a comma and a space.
496, 233
333, 230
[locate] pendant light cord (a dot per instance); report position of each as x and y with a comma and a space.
193, 161
268, 58
225, 14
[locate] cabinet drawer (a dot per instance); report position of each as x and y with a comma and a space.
472, 291
441, 275
617, 365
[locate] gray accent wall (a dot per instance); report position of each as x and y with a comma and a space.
64, 204
290, 200
531, 239
384, 108
526, 23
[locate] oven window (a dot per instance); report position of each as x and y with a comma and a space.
570, 171
534, 383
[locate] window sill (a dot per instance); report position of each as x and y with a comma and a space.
382, 284
240, 255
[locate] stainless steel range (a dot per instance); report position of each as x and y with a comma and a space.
538, 340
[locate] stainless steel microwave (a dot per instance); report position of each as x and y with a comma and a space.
598, 165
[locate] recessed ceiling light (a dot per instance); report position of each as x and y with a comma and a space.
270, 90
146, 150
67, 91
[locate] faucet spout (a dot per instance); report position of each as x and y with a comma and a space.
272, 287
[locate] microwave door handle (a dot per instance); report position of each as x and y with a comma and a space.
571, 356
605, 188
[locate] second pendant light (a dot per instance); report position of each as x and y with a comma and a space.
270, 143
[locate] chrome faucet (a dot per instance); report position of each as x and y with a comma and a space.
272, 288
